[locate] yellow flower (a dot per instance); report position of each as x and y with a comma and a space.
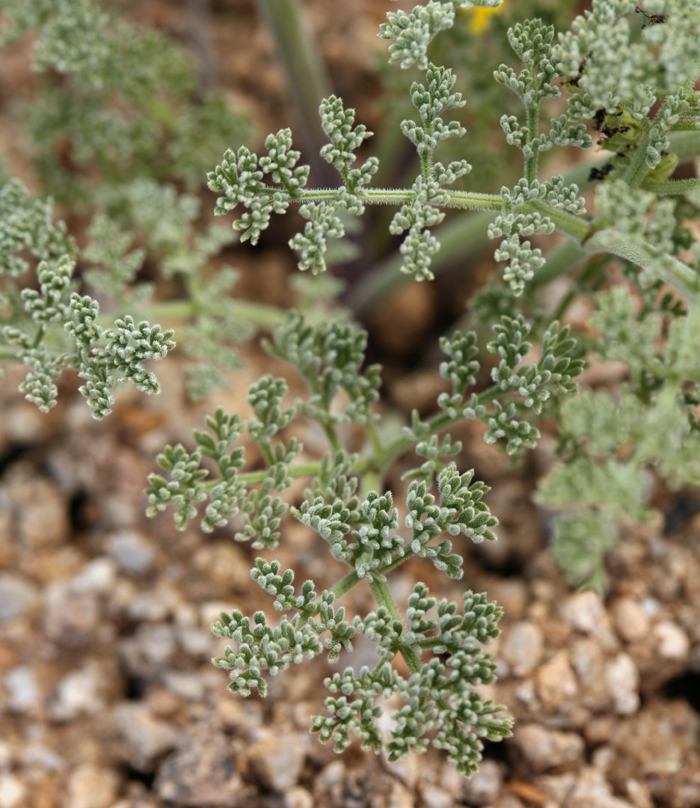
479, 18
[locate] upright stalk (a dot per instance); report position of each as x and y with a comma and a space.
307, 76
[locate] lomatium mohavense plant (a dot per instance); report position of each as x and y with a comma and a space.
624, 76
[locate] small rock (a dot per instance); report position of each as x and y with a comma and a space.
17, 596
149, 651
546, 749
556, 682
329, 784
78, 693
673, 641
435, 797
97, 576
589, 663
277, 760
550, 789
144, 738
631, 622
584, 611
400, 797
41, 511
197, 642
639, 793
36, 756
132, 552
483, 787
22, 689
241, 717
299, 797
622, 681
523, 647
203, 774
592, 791
13, 792
70, 618
148, 606
190, 686
92, 787
599, 729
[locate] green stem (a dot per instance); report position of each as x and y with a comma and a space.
370, 481
261, 314
308, 79
686, 124
563, 259
532, 127
632, 248
671, 186
381, 592
345, 585
573, 226
638, 169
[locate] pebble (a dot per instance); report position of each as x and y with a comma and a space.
584, 611
592, 791
144, 737
17, 596
276, 760
483, 787
78, 693
13, 792
97, 576
202, 774
149, 606
41, 511
433, 796
132, 552
546, 749
299, 797
631, 622
523, 647
556, 682
622, 681
399, 797
190, 686
70, 618
37, 756
22, 689
673, 641
92, 787
329, 782
588, 661
149, 651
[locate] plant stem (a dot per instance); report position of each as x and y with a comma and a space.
307, 75
669, 269
671, 186
259, 313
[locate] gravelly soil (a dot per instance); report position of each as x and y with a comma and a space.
108, 697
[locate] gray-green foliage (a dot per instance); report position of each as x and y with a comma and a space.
615, 66
53, 328
653, 422
364, 532
123, 107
